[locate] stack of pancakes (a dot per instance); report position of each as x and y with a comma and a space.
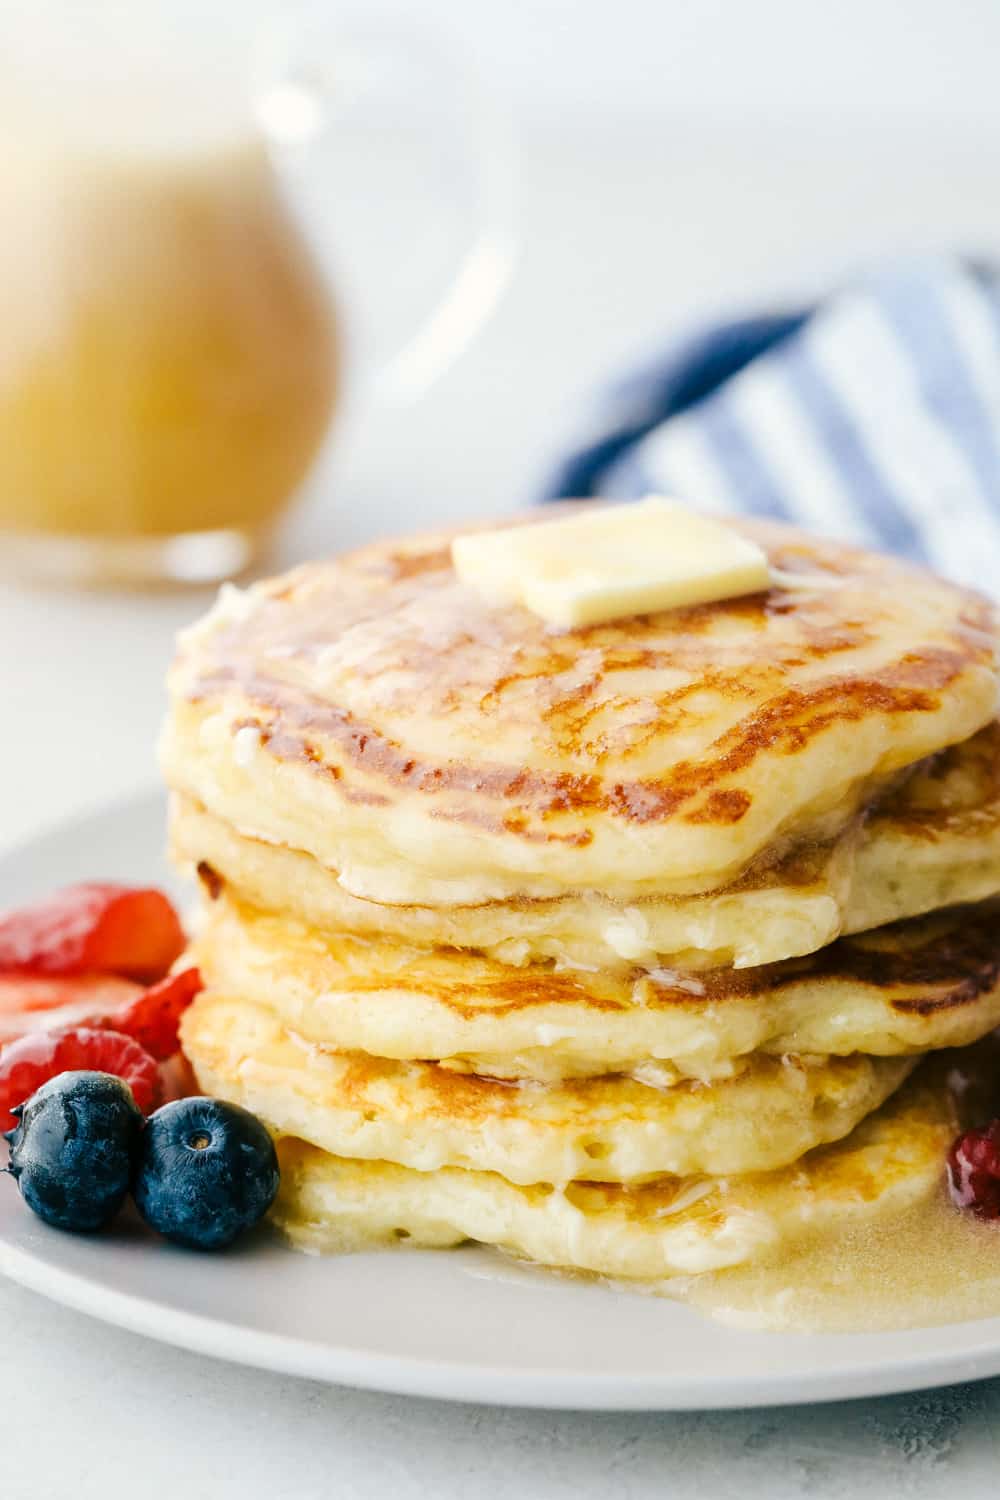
617, 947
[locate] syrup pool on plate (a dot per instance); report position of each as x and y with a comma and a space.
931, 1263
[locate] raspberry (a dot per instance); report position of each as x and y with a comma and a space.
974, 1171
93, 929
33, 1059
152, 1018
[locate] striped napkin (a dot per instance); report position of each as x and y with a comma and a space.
873, 417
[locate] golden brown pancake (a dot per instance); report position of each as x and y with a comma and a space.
932, 842
935, 841
377, 715
794, 907
662, 1229
610, 1129
929, 983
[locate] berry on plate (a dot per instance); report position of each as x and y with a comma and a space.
153, 1017
74, 1149
31, 1002
95, 928
33, 1059
974, 1171
207, 1171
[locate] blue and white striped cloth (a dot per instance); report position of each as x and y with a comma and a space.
874, 417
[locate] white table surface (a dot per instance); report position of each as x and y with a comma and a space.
623, 239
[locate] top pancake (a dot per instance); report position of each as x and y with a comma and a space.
378, 715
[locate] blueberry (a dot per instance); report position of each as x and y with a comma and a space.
207, 1171
75, 1149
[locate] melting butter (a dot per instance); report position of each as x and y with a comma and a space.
610, 562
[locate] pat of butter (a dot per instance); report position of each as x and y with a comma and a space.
599, 565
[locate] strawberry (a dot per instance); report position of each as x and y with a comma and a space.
33, 1003
153, 1017
33, 1059
94, 928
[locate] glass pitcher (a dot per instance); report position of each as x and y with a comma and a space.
171, 353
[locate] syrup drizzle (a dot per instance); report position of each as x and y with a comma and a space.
930, 1264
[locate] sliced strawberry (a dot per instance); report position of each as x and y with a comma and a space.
30, 1061
93, 929
153, 1017
30, 1003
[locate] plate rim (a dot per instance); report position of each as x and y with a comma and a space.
498, 1385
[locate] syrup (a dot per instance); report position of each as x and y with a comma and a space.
932, 1264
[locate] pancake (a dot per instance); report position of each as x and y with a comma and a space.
934, 841
375, 714
668, 1228
933, 982
794, 908
610, 1129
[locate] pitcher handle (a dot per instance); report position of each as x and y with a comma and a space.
304, 82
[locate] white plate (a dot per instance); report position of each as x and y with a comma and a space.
463, 1324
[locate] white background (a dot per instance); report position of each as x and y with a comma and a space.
673, 157
792, 63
